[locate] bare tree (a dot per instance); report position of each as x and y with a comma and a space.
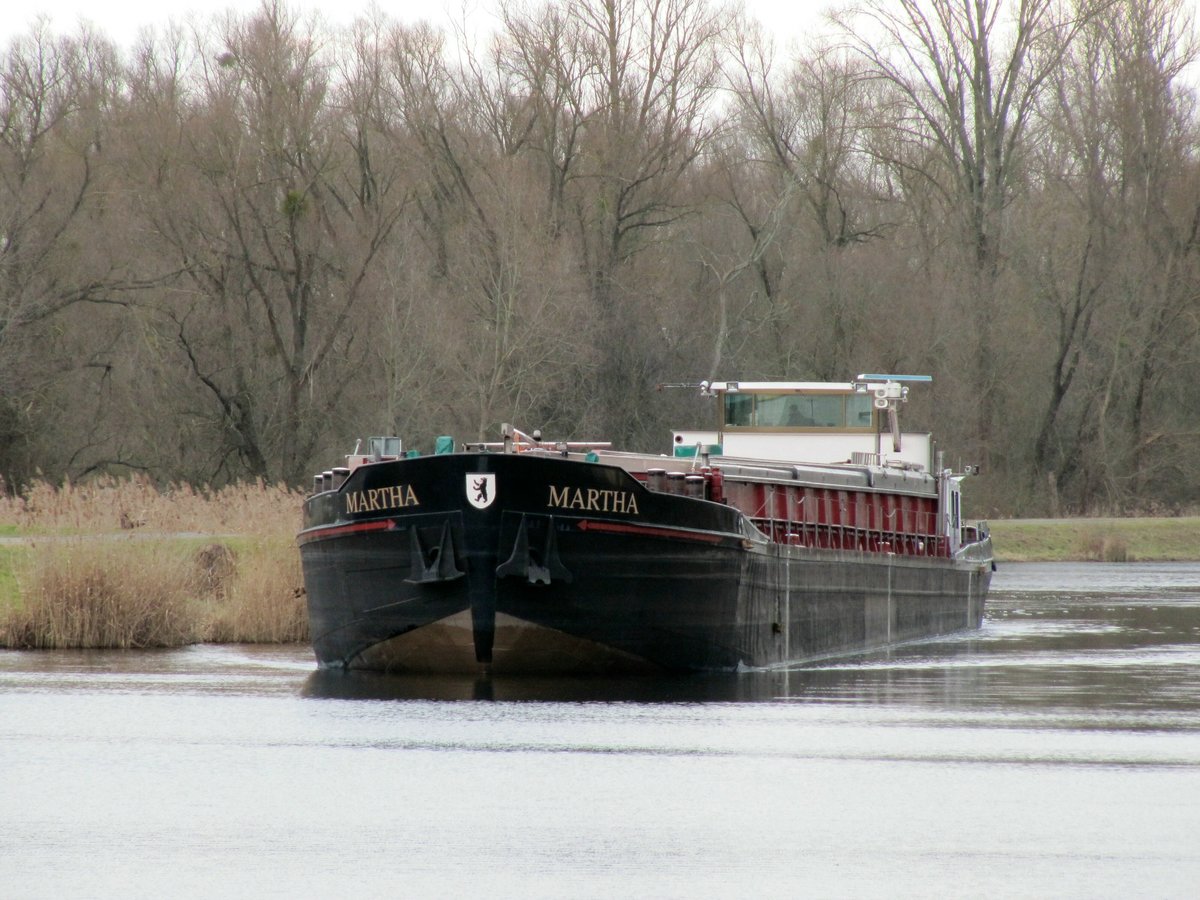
58, 217
807, 123
277, 241
653, 68
252, 243
1107, 243
545, 55
967, 77
1151, 45
503, 289
804, 127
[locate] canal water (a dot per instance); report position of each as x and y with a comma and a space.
1055, 753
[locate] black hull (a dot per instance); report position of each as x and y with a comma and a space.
576, 567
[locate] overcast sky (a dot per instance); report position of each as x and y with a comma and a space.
121, 20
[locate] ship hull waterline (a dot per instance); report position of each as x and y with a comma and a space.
576, 567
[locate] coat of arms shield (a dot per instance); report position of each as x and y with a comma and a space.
481, 489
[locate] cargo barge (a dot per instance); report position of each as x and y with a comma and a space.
804, 524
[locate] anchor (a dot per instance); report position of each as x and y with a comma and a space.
432, 567
541, 568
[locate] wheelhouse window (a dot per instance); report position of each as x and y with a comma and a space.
739, 410
798, 411
860, 411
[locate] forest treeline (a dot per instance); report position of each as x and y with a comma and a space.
228, 251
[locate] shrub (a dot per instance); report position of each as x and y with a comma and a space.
1103, 547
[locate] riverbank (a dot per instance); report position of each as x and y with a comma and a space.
124, 564
1097, 540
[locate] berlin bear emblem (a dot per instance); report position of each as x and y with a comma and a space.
481, 489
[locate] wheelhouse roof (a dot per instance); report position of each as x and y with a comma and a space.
785, 387
762, 387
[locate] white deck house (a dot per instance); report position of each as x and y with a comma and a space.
813, 422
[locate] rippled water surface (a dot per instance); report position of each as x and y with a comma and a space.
1054, 753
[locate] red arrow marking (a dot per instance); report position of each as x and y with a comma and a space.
321, 534
623, 528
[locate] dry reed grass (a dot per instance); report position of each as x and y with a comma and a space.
1102, 547
91, 593
120, 564
263, 601
108, 505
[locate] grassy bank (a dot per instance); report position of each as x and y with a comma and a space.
1102, 540
121, 564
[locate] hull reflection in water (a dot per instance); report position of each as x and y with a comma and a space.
922, 672
720, 687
